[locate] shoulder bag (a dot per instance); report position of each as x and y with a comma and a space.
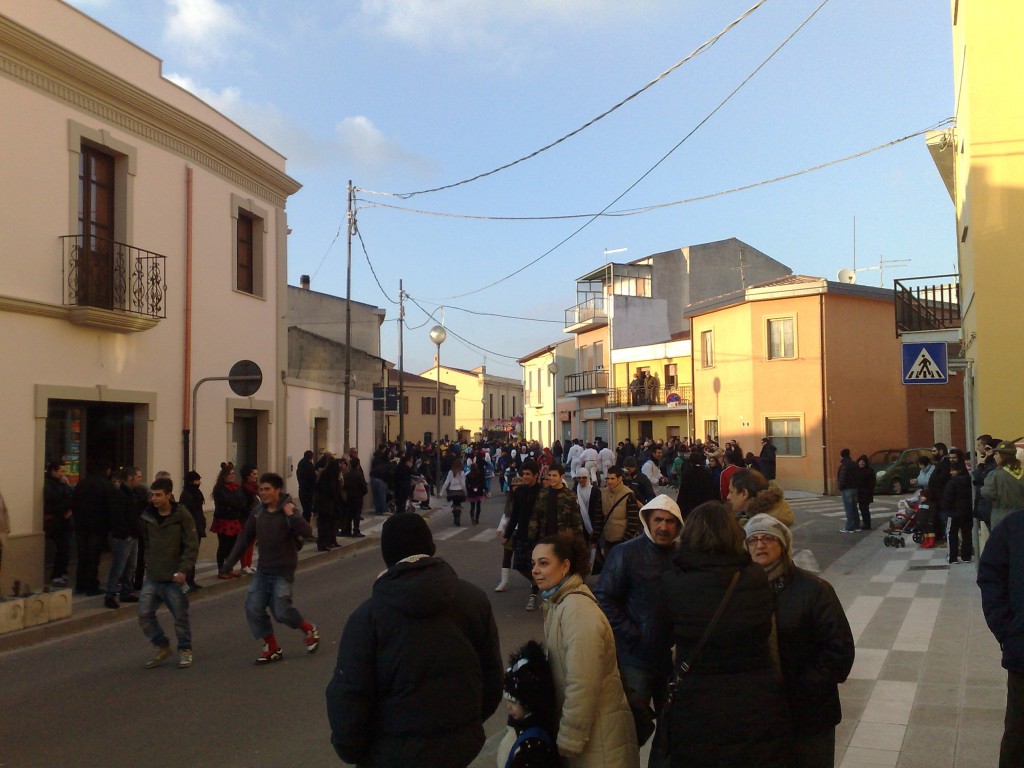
661, 744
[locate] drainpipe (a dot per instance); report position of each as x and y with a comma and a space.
824, 398
187, 367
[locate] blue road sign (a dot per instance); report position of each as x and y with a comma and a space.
924, 362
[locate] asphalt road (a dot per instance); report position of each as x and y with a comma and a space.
85, 700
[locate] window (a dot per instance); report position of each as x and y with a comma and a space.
446, 406
405, 404
786, 433
428, 406
707, 349
781, 334
671, 374
513, 405
490, 404
96, 182
711, 430
250, 230
598, 355
503, 406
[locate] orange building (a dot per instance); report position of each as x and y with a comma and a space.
816, 366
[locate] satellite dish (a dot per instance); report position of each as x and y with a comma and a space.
847, 276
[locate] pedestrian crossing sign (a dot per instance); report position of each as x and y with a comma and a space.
925, 362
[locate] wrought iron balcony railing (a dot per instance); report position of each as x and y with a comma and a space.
626, 397
927, 303
586, 381
109, 275
592, 309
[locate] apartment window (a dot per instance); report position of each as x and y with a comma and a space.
598, 355
786, 433
446, 406
490, 406
514, 405
248, 257
503, 406
671, 375
781, 333
405, 405
707, 349
428, 406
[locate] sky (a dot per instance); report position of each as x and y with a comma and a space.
401, 96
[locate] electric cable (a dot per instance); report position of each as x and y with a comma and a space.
457, 336
324, 257
370, 263
657, 206
649, 171
703, 47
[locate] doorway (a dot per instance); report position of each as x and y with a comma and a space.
83, 433
245, 438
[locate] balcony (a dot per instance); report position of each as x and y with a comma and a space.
928, 304
587, 315
112, 285
662, 398
587, 382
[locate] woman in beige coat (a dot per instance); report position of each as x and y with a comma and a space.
595, 726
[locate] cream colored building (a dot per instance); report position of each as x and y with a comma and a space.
661, 411
547, 416
486, 405
144, 250
419, 401
981, 163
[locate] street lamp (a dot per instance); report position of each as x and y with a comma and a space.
438, 335
553, 370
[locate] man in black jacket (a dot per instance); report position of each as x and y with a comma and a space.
419, 666
629, 596
937, 483
1001, 579
94, 498
125, 529
305, 474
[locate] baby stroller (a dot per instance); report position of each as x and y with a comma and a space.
904, 521
420, 494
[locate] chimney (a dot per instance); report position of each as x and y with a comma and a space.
304, 282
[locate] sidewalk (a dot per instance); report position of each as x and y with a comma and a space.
927, 689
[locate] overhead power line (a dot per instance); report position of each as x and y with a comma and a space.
657, 206
372, 270
705, 46
650, 170
457, 336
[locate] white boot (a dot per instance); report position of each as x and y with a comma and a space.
503, 584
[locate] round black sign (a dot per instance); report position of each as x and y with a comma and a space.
245, 387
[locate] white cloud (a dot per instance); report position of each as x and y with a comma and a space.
356, 142
480, 24
203, 27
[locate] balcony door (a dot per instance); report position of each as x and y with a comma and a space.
96, 228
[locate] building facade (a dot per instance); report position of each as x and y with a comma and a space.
980, 162
486, 406
815, 366
145, 251
652, 395
547, 415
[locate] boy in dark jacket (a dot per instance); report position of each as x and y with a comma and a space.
172, 546
275, 525
956, 503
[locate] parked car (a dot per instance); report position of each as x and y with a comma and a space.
896, 469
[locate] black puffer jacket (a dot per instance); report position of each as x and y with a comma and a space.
419, 671
815, 647
1001, 579
629, 594
695, 487
730, 710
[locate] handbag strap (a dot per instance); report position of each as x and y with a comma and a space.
684, 667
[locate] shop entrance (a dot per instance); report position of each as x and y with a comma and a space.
83, 433
244, 436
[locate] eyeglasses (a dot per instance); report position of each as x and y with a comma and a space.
761, 538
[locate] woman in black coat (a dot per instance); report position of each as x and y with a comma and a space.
696, 485
816, 647
327, 505
729, 710
865, 491
355, 492
957, 503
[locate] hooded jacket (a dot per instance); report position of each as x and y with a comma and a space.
770, 501
419, 670
171, 542
275, 536
629, 594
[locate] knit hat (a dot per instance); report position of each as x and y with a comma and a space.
404, 535
529, 682
191, 477
765, 523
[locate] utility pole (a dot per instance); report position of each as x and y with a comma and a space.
351, 220
401, 367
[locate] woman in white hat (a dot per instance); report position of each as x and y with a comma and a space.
816, 646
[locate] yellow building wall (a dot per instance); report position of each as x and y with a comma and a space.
989, 168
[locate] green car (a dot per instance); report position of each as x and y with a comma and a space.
896, 469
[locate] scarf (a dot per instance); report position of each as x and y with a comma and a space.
547, 594
232, 487
778, 573
583, 496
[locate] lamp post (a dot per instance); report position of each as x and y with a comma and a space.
553, 370
438, 335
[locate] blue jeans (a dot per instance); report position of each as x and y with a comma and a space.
850, 508
170, 594
123, 553
274, 592
379, 489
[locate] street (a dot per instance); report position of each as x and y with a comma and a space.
85, 700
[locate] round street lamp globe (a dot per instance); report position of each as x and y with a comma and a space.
553, 368
438, 335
